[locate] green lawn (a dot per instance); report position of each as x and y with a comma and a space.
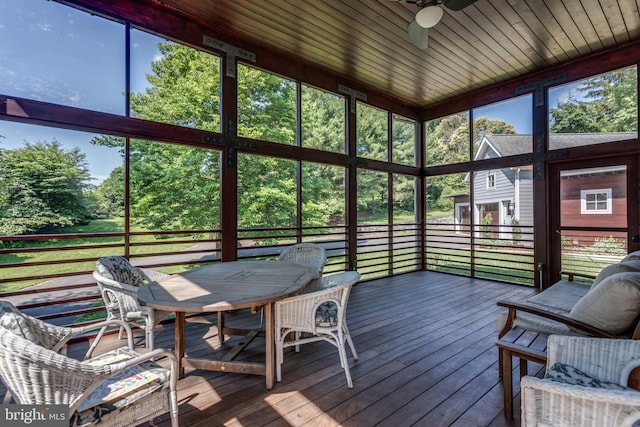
96, 226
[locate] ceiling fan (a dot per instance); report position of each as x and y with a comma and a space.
429, 14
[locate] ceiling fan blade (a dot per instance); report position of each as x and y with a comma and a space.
458, 4
418, 35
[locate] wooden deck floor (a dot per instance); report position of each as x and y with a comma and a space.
427, 351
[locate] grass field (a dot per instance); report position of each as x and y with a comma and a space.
49, 254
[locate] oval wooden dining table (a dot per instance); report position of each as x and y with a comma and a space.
223, 287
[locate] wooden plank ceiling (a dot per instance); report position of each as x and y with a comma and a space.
366, 40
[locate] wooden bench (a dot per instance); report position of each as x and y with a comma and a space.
525, 327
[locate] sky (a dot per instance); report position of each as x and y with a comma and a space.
54, 53
71, 58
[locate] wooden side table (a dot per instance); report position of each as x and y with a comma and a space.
525, 345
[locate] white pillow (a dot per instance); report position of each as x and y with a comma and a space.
14, 321
614, 305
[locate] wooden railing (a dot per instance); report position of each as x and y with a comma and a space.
59, 287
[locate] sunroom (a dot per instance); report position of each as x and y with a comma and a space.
483, 158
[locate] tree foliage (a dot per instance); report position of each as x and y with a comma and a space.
174, 187
108, 197
184, 89
323, 120
604, 103
372, 132
266, 106
42, 185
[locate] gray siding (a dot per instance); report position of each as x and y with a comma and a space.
525, 201
504, 188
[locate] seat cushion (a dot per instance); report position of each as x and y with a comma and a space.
119, 269
327, 314
534, 323
614, 305
561, 297
568, 374
14, 321
124, 389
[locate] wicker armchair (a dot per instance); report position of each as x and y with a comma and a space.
585, 384
118, 282
317, 316
36, 374
47, 335
309, 254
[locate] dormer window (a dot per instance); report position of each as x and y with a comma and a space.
491, 180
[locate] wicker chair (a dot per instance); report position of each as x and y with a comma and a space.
317, 316
118, 282
585, 384
309, 254
36, 374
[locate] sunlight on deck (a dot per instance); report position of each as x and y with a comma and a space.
295, 399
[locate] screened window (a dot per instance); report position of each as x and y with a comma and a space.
372, 132
448, 223
323, 195
403, 144
53, 53
323, 120
503, 129
174, 187
57, 182
596, 201
266, 106
599, 109
447, 140
173, 83
267, 192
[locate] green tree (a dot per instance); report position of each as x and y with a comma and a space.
323, 192
175, 187
447, 140
323, 120
109, 195
403, 141
372, 134
266, 106
266, 192
604, 103
184, 89
373, 192
42, 186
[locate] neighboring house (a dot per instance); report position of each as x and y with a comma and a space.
504, 197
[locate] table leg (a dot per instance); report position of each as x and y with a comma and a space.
179, 327
269, 326
507, 383
221, 327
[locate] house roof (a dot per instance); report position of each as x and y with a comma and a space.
501, 145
